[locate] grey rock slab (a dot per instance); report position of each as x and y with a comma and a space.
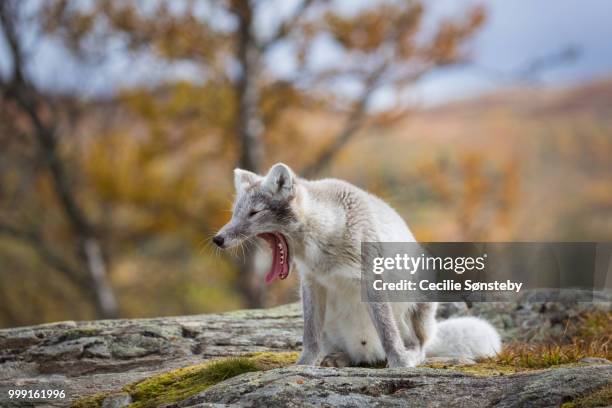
85, 358
119, 400
415, 387
595, 360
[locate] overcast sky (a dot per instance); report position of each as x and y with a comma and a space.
520, 31
516, 32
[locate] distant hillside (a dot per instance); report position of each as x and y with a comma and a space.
517, 164
590, 98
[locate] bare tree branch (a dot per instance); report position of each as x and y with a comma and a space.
26, 97
529, 72
351, 127
248, 124
549, 61
46, 254
8, 16
358, 114
285, 27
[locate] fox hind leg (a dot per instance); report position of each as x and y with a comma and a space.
422, 320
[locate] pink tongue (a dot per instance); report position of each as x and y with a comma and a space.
273, 274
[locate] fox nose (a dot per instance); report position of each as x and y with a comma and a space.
218, 240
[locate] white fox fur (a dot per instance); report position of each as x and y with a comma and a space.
328, 221
468, 337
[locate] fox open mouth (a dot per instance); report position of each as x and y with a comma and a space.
280, 256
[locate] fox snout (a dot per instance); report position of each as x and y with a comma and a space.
230, 235
219, 241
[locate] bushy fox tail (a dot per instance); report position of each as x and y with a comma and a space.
468, 337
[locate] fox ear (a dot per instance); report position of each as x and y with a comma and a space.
244, 178
280, 181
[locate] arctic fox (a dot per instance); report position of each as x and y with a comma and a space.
319, 226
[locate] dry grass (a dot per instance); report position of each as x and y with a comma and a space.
592, 325
545, 355
588, 335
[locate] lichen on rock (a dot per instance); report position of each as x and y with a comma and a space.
245, 358
601, 397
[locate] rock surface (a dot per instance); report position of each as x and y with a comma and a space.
415, 387
84, 358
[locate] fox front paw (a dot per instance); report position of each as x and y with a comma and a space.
307, 358
408, 358
337, 359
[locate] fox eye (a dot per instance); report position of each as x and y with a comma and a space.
253, 212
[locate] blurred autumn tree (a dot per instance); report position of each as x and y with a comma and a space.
150, 177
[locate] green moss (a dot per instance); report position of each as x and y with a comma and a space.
94, 401
599, 398
184, 382
270, 360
